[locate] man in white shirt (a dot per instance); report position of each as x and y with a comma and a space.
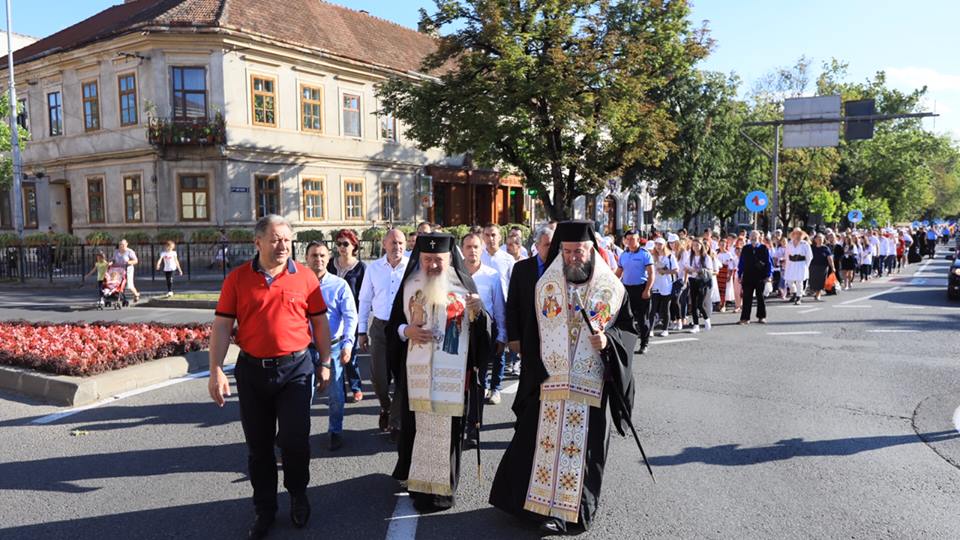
493, 257
381, 281
516, 232
503, 263
422, 228
488, 285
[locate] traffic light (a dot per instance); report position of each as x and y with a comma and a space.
532, 192
855, 130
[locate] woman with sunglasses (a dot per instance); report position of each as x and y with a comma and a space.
348, 266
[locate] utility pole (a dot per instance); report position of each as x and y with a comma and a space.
14, 135
775, 218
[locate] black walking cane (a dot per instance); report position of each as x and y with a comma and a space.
616, 391
476, 385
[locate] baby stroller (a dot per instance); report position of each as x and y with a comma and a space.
112, 291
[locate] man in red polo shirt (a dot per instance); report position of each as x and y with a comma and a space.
275, 301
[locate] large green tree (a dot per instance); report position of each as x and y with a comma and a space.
565, 92
699, 173
6, 138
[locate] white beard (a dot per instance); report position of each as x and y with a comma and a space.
435, 289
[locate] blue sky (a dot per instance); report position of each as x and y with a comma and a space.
917, 43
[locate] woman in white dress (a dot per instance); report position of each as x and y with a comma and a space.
797, 263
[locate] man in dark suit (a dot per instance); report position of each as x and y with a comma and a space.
754, 270
521, 315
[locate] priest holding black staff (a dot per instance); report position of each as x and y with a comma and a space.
573, 373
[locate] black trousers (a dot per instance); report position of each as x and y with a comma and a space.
751, 289
168, 277
269, 398
640, 307
661, 308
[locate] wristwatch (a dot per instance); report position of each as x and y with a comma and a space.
328, 364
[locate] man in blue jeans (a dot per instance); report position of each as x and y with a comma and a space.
342, 316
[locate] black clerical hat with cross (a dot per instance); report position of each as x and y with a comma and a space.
435, 243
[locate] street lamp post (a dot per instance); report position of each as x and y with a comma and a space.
14, 135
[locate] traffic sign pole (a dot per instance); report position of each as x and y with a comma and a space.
776, 179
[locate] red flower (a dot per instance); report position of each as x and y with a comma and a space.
90, 348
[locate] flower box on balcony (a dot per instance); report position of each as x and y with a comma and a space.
187, 131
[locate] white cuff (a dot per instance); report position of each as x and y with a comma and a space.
400, 330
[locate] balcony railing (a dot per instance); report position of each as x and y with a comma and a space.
187, 131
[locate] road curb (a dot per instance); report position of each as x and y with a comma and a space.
75, 391
182, 304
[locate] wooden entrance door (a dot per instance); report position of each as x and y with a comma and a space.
609, 215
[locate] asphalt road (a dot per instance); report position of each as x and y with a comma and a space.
837, 425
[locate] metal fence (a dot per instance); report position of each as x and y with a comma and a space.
198, 260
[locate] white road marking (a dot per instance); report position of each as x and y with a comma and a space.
681, 340
892, 331
69, 412
874, 295
799, 333
917, 281
811, 310
510, 388
403, 523
853, 307
956, 419
909, 307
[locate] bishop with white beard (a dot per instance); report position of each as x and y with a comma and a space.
437, 333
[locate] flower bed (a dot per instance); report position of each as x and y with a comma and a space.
92, 348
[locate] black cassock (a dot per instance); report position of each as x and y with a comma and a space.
479, 348
509, 490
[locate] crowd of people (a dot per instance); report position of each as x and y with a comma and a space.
445, 320
676, 281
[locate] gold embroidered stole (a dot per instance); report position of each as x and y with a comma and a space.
574, 385
436, 380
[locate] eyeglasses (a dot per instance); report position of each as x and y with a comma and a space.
344, 244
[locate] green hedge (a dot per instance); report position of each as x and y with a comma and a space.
135, 238
458, 231
310, 235
163, 235
99, 238
240, 235
373, 234
9, 239
205, 235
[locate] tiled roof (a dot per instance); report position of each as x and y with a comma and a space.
309, 23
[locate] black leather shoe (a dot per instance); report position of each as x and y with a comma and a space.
553, 526
384, 421
299, 510
643, 349
261, 526
336, 441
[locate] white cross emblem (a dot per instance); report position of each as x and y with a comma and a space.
433, 244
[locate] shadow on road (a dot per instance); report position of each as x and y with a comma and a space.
732, 455
369, 497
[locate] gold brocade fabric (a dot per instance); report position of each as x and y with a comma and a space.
436, 380
574, 384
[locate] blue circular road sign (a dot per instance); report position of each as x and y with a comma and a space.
855, 216
757, 201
